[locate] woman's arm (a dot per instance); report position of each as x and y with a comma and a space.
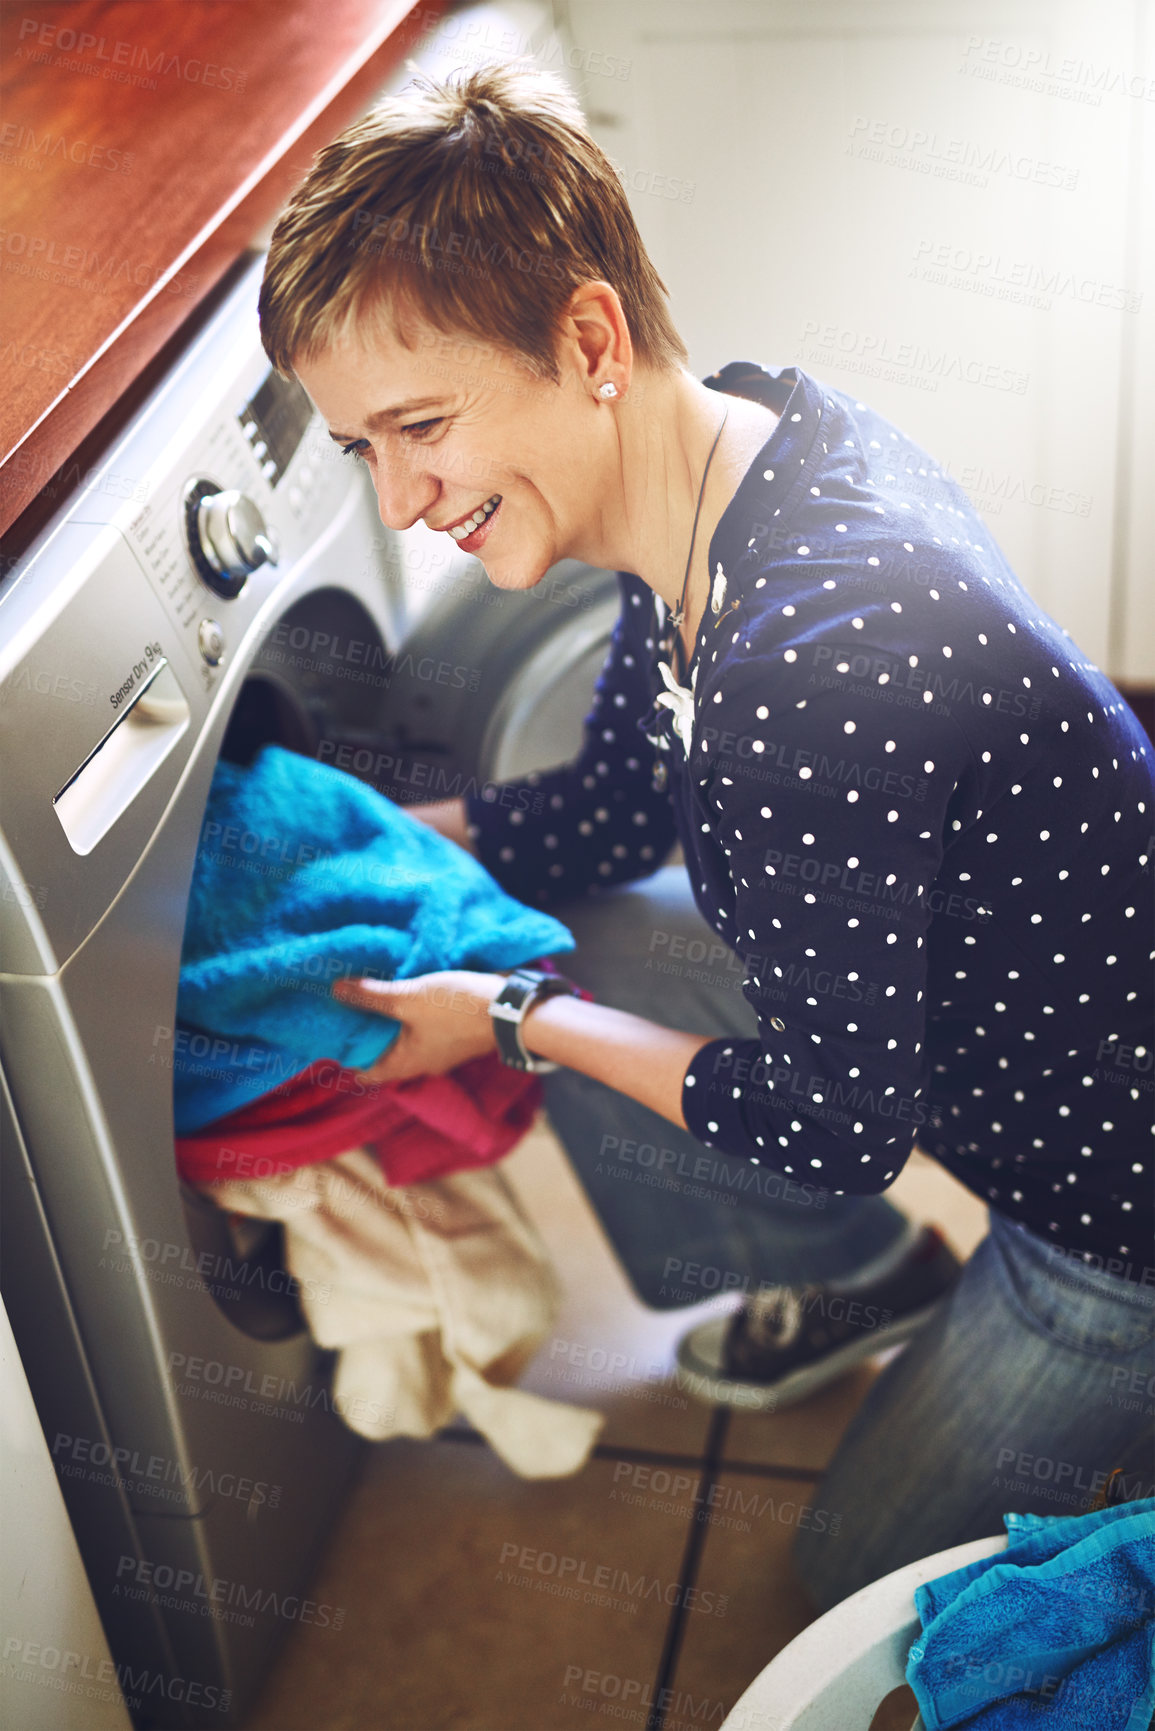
556, 834
637, 1057
445, 1021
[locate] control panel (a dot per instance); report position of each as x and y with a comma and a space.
244, 497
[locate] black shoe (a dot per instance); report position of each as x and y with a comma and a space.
790, 1341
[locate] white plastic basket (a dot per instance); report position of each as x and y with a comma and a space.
834, 1675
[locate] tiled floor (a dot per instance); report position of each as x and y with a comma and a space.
451, 1569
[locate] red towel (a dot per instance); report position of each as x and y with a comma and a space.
419, 1129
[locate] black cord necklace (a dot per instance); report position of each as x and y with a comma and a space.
670, 642
677, 617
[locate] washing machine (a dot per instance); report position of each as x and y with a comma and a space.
220, 581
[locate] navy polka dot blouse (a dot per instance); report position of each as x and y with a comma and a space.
917, 814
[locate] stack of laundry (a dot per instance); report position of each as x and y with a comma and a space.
305, 875
438, 1293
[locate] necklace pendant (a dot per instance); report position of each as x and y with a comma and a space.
677, 618
661, 776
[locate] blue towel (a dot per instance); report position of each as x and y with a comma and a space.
1055, 1633
305, 875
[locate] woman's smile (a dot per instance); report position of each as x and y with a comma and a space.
472, 531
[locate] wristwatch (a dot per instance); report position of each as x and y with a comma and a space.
524, 988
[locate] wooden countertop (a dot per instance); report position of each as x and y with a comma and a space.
143, 145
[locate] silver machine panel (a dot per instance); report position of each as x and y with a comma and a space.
185, 1407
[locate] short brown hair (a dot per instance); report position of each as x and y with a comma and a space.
481, 203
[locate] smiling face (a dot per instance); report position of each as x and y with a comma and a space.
469, 441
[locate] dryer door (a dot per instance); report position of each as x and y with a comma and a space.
486, 686
544, 694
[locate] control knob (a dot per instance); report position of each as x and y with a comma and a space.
228, 537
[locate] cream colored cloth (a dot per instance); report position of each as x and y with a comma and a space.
435, 1296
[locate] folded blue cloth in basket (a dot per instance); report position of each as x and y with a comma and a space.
305, 875
1055, 1633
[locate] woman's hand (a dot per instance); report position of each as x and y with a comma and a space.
444, 1019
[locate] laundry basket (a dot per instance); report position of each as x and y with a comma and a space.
836, 1672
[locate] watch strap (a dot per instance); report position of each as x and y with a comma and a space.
523, 988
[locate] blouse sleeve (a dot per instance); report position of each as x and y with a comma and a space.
833, 821
573, 830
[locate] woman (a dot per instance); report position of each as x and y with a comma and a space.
914, 822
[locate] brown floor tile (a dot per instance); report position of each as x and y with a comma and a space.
805, 1435
757, 1602
444, 1563
746, 1555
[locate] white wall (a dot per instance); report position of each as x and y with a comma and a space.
936, 205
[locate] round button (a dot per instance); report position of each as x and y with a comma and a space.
227, 536
211, 641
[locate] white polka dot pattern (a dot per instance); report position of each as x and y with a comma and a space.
938, 943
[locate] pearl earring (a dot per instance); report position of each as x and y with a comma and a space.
608, 390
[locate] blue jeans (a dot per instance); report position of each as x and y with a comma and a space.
1031, 1383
